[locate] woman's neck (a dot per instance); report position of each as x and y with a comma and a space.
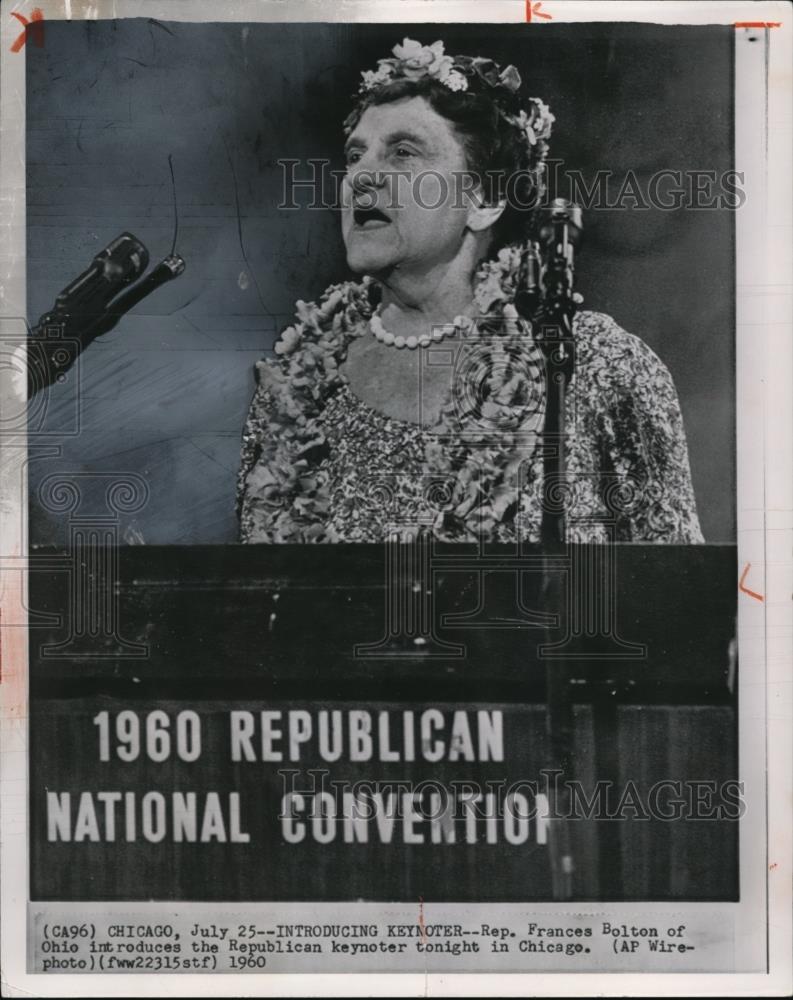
414, 303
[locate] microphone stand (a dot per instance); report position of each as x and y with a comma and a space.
546, 300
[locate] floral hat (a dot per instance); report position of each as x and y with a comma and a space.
472, 74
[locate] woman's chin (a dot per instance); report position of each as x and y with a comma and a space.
363, 260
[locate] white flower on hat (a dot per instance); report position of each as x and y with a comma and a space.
543, 119
510, 78
521, 121
421, 60
454, 80
374, 77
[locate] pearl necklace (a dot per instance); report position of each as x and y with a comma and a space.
462, 323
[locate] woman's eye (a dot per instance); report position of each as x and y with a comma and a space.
353, 157
403, 152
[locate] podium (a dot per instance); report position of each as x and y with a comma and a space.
256, 648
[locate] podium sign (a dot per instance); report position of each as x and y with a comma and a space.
284, 738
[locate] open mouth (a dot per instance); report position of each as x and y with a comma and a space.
370, 218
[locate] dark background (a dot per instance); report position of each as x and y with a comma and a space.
165, 394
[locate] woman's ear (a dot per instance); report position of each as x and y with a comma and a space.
481, 213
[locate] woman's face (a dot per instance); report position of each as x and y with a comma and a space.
403, 198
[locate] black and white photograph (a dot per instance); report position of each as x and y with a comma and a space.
388, 471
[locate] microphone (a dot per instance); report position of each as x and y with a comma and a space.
560, 235
548, 269
561, 226
121, 262
92, 305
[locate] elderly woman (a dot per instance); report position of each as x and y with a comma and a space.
414, 398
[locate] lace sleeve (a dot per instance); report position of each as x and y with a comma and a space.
251, 510
645, 456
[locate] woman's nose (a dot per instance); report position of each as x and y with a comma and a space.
365, 176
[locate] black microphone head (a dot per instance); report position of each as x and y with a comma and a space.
120, 263
124, 259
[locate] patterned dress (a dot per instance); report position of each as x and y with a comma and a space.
319, 464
